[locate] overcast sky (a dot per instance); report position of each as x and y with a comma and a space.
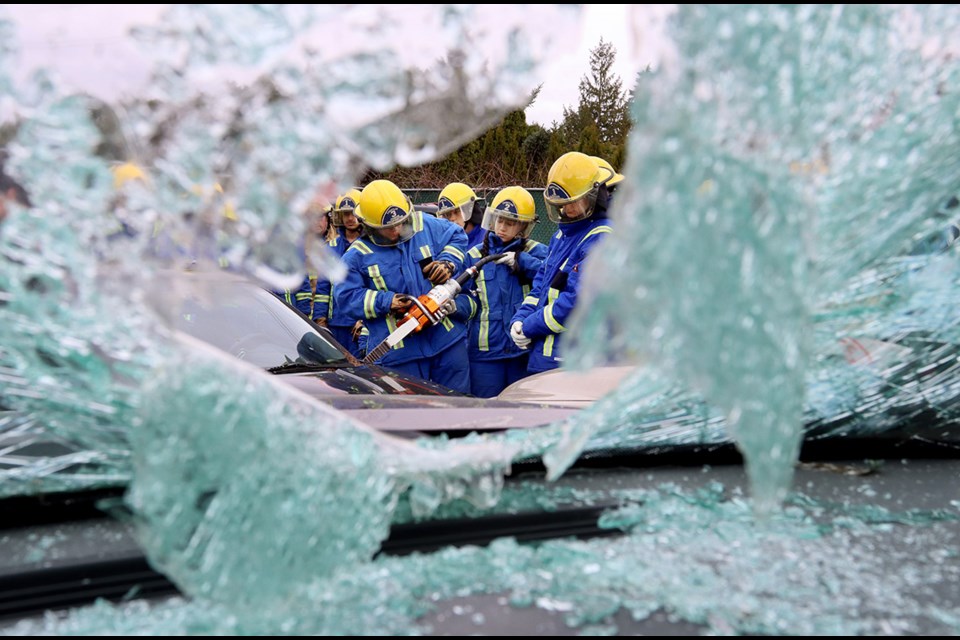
636, 33
89, 47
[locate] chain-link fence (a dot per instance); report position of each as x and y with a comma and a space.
542, 232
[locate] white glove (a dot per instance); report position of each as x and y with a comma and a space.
516, 334
509, 259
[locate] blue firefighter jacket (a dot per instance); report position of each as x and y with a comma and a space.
375, 274
301, 298
475, 236
554, 293
323, 299
496, 294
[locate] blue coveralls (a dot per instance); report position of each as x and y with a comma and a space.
339, 323
496, 294
301, 299
554, 293
475, 236
374, 274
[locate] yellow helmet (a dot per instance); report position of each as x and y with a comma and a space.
573, 183
344, 205
385, 213
456, 196
512, 203
603, 164
125, 172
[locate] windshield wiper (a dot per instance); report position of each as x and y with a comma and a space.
298, 367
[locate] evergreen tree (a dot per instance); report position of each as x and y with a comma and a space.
602, 97
536, 149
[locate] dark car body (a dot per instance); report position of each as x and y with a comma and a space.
257, 327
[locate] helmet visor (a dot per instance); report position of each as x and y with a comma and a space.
338, 215
392, 234
573, 209
457, 213
508, 220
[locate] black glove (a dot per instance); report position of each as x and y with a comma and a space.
439, 271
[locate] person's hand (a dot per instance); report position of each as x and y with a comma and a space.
516, 334
439, 271
321, 321
400, 302
355, 332
509, 259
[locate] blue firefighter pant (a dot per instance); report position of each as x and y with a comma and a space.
490, 377
343, 336
449, 367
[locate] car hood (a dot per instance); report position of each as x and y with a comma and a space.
562, 388
392, 402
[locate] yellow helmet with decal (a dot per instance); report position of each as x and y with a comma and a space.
455, 200
513, 204
573, 183
345, 205
385, 213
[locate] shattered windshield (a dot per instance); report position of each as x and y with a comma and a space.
780, 280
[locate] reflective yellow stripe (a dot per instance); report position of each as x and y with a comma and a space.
552, 323
391, 327
531, 244
287, 296
425, 252
531, 300
304, 295
374, 272
319, 298
369, 304
447, 324
417, 221
593, 232
361, 247
475, 252
484, 338
473, 307
452, 249
526, 289
224, 263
